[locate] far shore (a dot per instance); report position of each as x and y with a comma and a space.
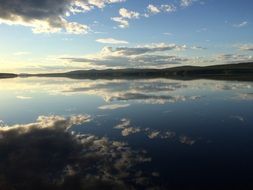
238, 72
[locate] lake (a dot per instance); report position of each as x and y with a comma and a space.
59, 133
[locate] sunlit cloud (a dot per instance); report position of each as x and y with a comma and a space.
124, 17
123, 23
128, 14
153, 9
246, 47
113, 106
111, 41
24, 97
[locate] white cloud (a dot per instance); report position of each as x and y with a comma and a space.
246, 47
240, 25
111, 41
123, 23
23, 97
125, 15
168, 8
187, 3
128, 14
113, 106
164, 8
153, 9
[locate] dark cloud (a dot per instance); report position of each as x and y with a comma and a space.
134, 57
142, 50
32, 9
48, 16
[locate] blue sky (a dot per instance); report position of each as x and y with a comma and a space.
64, 35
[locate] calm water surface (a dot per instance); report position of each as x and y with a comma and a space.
125, 134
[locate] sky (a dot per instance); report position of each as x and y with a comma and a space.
64, 35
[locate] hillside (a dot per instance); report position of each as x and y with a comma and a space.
240, 71
7, 75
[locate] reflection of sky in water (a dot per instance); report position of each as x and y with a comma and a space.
150, 133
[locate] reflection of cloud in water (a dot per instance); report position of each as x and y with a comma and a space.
151, 98
45, 155
246, 96
237, 117
153, 91
127, 129
153, 134
113, 106
186, 140
233, 86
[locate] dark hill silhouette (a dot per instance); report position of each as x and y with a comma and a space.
240, 71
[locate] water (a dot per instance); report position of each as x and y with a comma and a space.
125, 134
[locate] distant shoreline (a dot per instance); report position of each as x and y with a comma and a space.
239, 71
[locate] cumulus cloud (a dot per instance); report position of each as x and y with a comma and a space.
111, 41
153, 9
240, 25
164, 8
168, 8
48, 16
123, 23
128, 14
125, 15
